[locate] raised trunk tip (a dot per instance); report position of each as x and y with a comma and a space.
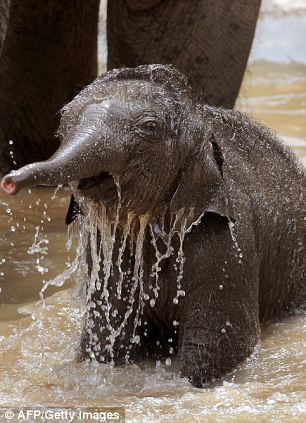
9, 185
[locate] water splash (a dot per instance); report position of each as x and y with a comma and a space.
54, 196
180, 260
60, 279
115, 247
111, 276
36, 247
177, 226
231, 226
39, 250
156, 232
126, 232
11, 152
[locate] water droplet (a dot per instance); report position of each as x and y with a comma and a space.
168, 361
221, 287
223, 330
136, 339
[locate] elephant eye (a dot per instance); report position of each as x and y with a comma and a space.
150, 127
150, 130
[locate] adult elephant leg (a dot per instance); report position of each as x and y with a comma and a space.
209, 41
4, 17
50, 53
220, 325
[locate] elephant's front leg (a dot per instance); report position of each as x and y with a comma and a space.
220, 325
111, 330
215, 342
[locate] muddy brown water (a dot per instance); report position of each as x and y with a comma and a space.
38, 344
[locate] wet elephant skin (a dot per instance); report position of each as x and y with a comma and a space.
230, 191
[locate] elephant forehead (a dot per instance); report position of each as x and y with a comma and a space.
114, 109
119, 99
138, 94
107, 108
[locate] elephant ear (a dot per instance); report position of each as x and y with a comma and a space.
201, 186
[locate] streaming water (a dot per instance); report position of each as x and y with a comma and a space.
39, 341
102, 238
98, 224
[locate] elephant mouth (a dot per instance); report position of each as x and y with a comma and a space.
94, 181
100, 187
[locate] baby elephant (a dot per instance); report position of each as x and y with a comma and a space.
193, 219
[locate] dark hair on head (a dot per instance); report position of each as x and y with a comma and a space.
165, 75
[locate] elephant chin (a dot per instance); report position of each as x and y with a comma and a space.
95, 181
99, 188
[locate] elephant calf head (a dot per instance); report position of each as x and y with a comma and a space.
139, 128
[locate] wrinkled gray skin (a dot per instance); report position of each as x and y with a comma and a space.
4, 16
173, 153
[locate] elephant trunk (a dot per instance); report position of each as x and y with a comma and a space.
40, 173
78, 158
